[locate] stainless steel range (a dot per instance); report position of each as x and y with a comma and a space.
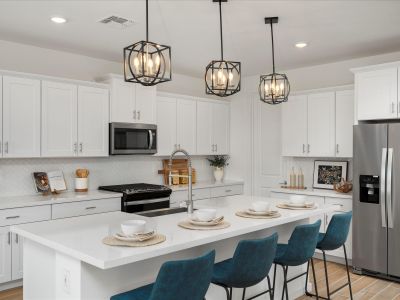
140, 197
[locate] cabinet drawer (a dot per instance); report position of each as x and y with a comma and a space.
229, 190
197, 194
74, 209
21, 215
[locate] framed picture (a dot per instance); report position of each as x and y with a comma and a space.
41, 182
327, 173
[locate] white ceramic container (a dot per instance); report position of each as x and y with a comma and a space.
298, 199
260, 206
205, 214
133, 226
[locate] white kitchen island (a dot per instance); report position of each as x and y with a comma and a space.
66, 259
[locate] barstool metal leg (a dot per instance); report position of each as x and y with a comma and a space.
244, 294
306, 285
315, 279
348, 273
285, 288
230, 291
271, 294
273, 288
326, 275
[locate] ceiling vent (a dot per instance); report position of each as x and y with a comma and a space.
117, 22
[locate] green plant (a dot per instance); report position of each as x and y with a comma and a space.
219, 161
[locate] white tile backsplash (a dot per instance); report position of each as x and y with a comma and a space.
307, 166
16, 174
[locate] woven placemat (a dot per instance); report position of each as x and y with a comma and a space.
244, 214
112, 241
284, 206
187, 225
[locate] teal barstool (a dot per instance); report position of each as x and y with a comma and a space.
249, 265
177, 280
334, 238
298, 251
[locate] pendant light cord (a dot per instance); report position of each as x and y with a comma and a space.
273, 51
147, 20
220, 27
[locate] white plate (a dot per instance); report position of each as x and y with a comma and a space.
136, 237
303, 205
261, 213
204, 223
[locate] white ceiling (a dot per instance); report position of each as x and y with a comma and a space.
335, 30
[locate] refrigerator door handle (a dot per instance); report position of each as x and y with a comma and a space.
389, 187
383, 187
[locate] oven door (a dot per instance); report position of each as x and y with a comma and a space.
127, 138
145, 205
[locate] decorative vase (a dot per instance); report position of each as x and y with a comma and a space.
218, 174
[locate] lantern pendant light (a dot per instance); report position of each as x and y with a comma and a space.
274, 88
146, 62
222, 77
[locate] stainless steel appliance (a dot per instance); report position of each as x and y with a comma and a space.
376, 203
129, 138
141, 197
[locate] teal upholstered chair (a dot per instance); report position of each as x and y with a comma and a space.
177, 280
334, 238
249, 265
299, 250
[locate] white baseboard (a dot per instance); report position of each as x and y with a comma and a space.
10, 285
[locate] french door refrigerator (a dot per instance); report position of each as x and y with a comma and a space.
376, 201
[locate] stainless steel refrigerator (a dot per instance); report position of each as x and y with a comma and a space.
376, 201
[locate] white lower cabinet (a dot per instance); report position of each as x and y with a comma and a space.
5, 254
17, 255
81, 208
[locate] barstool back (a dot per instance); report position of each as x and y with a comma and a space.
337, 232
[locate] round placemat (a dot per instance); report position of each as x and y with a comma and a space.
244, 214
284, 206
187, 225
112, 241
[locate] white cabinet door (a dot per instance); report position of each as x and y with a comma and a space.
122, 101
204, 128
1, 116
294, 126
220, 127
145, 104
21, 117
16, 257
321, 124
5, 254
93, 112
59, 119
186, 125
344, 123
166, 125
376, 94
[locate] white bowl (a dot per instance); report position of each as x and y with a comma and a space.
260, 206
298, 199
133, 226
205, 214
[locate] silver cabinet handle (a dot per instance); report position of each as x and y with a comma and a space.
382, 186
212, 148
75, 147
389, 187
9, 237
308, 148
228, 191
90, 207
6, 147
337, 148
12, 217
216, 147
16, 239
134, 114
138, 114
81, 147
392, 107
304, 148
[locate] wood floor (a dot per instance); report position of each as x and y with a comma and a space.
364, 287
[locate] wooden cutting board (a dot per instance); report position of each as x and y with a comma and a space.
179, 166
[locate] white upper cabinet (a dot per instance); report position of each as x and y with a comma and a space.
186, 125
21, 117
204, 128
294, 126
166, 125
145, 106
376, 94
220, 127
321, 124
344, 123
132, 102
93, 116
59, 119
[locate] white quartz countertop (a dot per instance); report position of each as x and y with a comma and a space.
34, 200
81, 237
314, 192
206, 184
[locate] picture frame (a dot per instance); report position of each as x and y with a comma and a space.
41, 182
327, 173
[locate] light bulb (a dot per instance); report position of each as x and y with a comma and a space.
282, 88
266, 89
157, 60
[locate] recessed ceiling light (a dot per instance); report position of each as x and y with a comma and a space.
301, 44
58, 20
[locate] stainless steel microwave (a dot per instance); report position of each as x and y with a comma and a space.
129, 138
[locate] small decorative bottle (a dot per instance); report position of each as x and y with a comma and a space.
293, 179
300, 180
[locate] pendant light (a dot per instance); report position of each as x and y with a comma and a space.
146, 62
222, 77
274, 88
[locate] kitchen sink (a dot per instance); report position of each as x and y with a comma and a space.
163, 212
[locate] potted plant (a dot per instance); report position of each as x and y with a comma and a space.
219, 162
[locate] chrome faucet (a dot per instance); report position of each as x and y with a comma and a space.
189, 202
